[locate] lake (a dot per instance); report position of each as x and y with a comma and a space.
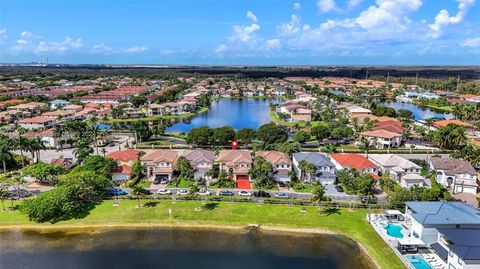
420, 113
177, 248
235, 112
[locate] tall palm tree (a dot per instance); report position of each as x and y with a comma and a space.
82, 150
58, 133
138, 191
95, 132
5, 155
22, 145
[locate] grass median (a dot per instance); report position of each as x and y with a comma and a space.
351, 223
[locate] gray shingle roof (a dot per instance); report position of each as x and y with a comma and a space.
453, 166
464, 242
444, 213
312, 157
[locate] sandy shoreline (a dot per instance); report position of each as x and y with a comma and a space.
98, 227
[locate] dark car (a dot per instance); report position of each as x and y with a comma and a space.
117, 192
262, 194
339, 188
226, 193
146, 192
156, 181
368, 200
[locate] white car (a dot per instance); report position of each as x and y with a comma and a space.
164, 192
182, 192
204, 193
244, 193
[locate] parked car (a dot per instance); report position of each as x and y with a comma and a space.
156, 181
146, 192
182, 192
204, 193
339, 188
281, 195
368, 200
164, 192
160, 181
244, 193
117, 192
262, 194
225, 193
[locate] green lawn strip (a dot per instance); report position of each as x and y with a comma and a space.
349, 223
278, 121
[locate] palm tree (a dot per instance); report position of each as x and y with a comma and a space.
95, 132
366, 145
82, 150
3, 194
22, 145
5, 155
138, 191
318, 193
58, 133
37, 145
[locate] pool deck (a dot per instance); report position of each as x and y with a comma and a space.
433, 260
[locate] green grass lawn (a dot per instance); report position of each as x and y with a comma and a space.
346, 222
278, 121
306, 188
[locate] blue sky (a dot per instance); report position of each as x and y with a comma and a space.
383, 32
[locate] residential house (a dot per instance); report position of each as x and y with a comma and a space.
48, 138
59, 115
354, 161
200, 160
356, 110
38, 122
66, 163
73, 107
459, 175
297, 112
160, 164
281, 163
405, 172
236, 162
28, 109
325, 173
444, 123
56, 104
451, 229
382, 139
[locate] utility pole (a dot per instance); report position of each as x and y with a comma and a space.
366, 75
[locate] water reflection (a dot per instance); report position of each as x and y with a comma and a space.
177, 248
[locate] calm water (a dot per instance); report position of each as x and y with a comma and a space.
177, 248
420, 113
238, 113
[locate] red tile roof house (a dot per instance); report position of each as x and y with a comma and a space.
125, 160
160, 164
281, 162
382, 139
354, 161
444, 123
38, 122
236, 162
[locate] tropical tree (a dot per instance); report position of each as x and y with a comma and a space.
184, 168
58, 133
262, 173
82, 150
44, 172
271, 133
366, 144
318, 193
3, 194
246, 135
223, 135
451, 136
366, 185
138, 191
95, 131
5, 155
22, 145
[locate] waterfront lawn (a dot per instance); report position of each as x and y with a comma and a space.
154, 118
351, 223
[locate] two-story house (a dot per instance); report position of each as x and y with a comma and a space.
354, 161
459, 175
235, 162
125, 160
281, 163
160, 164
325, 170
405, 172
200, 160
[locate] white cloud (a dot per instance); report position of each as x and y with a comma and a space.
443, 18
291, 27
244, 33
167, 52
326, 5
251, 16
136, 49
272, 44
60, 47
297, 5
221, 49
353, 4
471, 42
101, 48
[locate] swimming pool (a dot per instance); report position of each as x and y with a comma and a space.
394, 230
418, 262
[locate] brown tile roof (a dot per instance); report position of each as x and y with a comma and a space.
274, 157
231, 157
380, 134
124, 155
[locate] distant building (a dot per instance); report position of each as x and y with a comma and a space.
459, 175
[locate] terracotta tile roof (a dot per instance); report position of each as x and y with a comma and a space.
161, 155
34, 134
444, 123
124, 155
37, 119
380, 134
123, 169
355, 161
234, 156
274, 157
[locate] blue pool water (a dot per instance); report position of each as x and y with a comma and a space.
418, 262
394, 230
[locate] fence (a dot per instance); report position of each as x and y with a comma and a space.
256, 200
